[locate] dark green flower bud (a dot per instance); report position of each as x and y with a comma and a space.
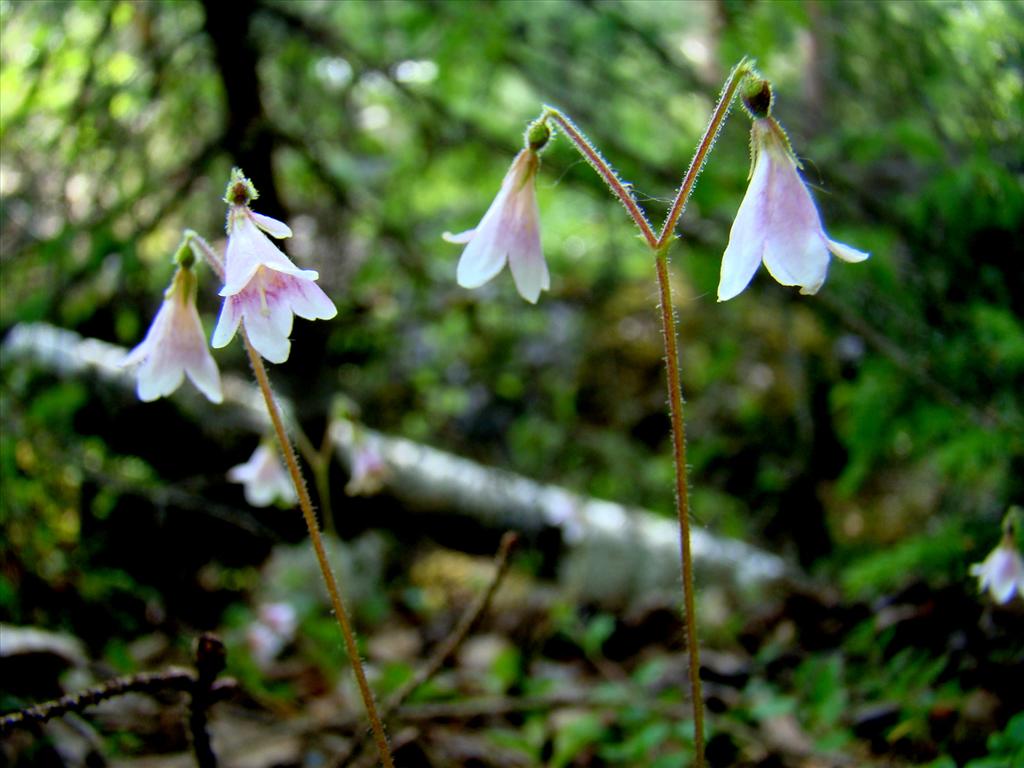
757, 97
184, 257
537, 135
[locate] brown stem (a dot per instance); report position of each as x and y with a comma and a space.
451, 643
675, 406
604, 170
318, 546
149, 682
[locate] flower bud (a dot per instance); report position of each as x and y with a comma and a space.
537, 135
184, 257
240, 190
757, 97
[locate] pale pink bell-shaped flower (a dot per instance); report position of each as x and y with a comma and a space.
777, 222
1002, 572
280, 618
263, 288
175, 345
264, 478
508, 232
369, 471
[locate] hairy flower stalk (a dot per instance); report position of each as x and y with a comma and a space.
175, 344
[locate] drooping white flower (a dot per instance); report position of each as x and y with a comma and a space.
264, 478
1002, 572
175, 345
369, 470
262, 287
777, 222
508, 232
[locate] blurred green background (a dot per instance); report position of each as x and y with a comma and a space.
874, 432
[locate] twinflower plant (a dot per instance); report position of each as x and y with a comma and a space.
777, 224
263, 290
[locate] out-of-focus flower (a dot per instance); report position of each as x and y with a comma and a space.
264, 644
273, 629
175, 344
777, 222
508, 232
264, 478
280, 617
1002, 572
369, 470
262, 287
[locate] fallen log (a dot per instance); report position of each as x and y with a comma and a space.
613, 553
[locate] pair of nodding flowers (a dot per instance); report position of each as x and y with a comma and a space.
777, 222
262, 291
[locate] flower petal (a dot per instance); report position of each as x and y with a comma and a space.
746, 238
227, 324
157, 378
845, 252
203, 372
459, 238
309, 301
248, 250
266, 335
794, 249
271, 226
525, 257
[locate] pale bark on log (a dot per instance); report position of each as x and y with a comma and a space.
612, 553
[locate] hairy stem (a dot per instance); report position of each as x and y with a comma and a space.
318, 546
741, 70
675, 406
618, 187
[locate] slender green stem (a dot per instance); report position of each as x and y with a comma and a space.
260, 371
675, 406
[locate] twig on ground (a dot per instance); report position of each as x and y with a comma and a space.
210, 661
447, 647
202, 685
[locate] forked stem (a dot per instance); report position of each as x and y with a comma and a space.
260, 371
660, 245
